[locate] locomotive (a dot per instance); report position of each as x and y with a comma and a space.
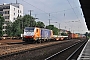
37, 34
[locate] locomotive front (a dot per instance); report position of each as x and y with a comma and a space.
28, 34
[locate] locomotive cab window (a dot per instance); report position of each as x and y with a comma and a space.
29, 29
37, 30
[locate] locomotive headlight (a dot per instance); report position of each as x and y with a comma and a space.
24, 36
31, 36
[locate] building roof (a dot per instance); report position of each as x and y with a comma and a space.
85, 5
13, 4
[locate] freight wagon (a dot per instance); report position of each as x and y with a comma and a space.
71, 36
75, 36
58, 37
37, 34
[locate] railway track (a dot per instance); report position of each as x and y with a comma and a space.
11, 49
39, 51
69, 53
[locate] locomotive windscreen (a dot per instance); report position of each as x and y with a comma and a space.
29, 29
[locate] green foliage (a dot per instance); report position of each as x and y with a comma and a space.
16, 28
53, 28
87, 34
64, 34
9, 29
1, 24
40, 24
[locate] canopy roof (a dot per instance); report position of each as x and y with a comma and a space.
85, 5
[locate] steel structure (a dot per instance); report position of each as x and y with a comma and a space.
85, 5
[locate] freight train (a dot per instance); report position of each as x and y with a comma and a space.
41, 34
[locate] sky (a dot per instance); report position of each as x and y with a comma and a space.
64, 12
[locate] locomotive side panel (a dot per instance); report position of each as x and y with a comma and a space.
52, 36
37, 33
45, 34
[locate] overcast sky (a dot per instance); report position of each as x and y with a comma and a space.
61, 11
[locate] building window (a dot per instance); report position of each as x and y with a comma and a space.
14, 13
18, 11
14, 9
1, 13
6, 17
6, 7
1, 9
13, 18
7, 21
37, 30
4, 27
18, 15
6, 12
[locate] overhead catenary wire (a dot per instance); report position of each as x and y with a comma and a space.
58, 11
34, 6
72, 9
53, 12
38, 8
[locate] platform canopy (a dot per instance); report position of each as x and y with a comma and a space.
85, 5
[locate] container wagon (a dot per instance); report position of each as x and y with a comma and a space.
59, 37
71, 36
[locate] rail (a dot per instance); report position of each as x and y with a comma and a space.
75, 51
50, 57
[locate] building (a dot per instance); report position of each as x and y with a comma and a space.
63, 31
10, 12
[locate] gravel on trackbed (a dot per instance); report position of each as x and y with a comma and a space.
41, 53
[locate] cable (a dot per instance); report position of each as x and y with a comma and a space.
34, 6
58, 11
53, 12
72, 9
38, 8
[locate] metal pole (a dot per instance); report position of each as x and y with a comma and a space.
1, 25
49, 21
16, 1
59, 29
69, 29
49, 18
35, 15
22, 26
30, 18
65, 27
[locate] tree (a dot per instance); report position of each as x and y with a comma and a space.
53, 28
86, 34
64, 34
28, 21
16, 28
1, 25
40, 24
10, 30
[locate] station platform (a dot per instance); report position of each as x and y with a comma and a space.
85, 54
